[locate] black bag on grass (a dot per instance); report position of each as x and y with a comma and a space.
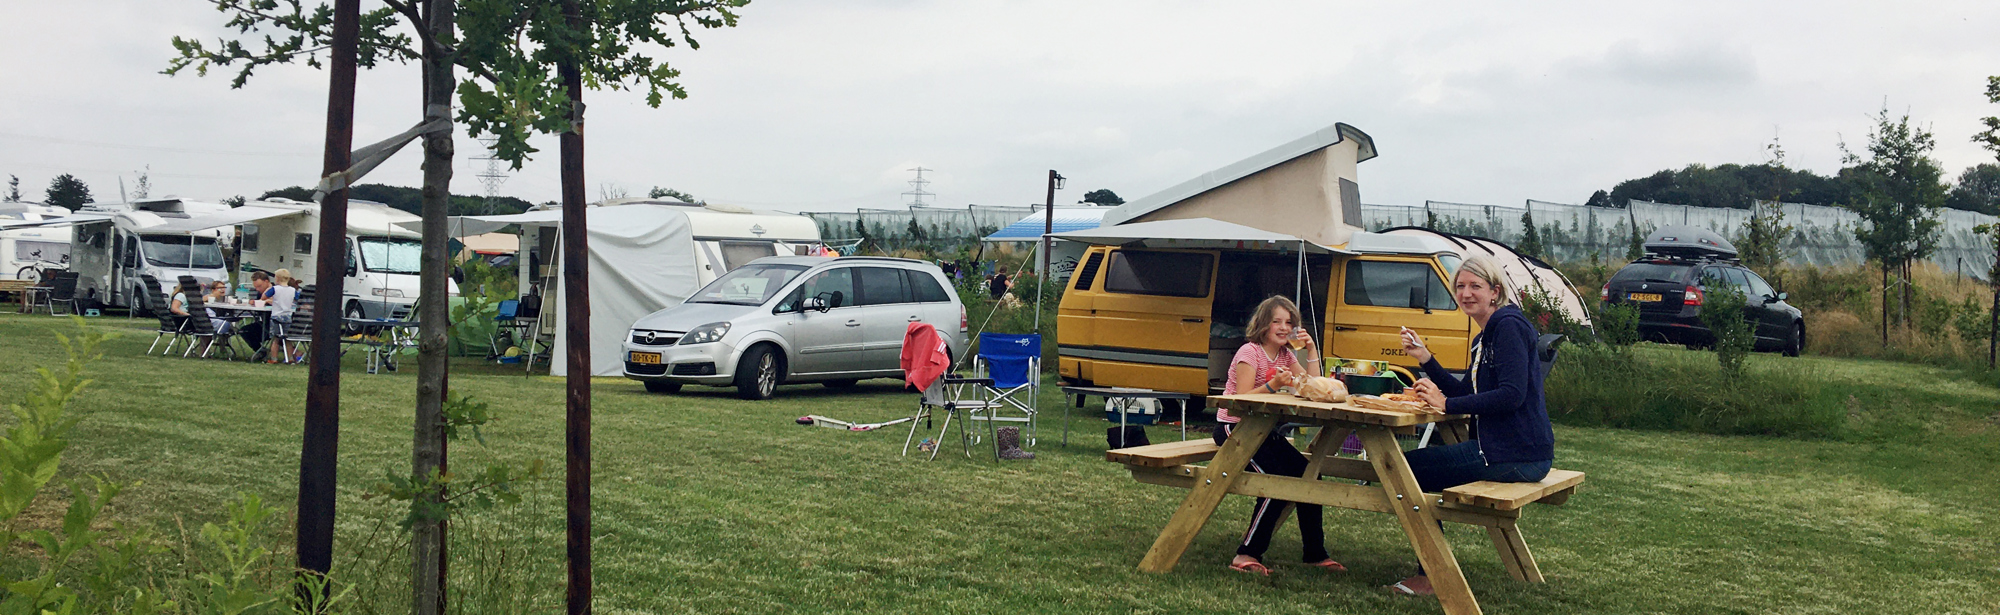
1126, 437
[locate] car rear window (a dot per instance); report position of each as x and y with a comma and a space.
882, 286
1660, 272
1173, 274
926, 288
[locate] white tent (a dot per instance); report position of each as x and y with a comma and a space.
642, 260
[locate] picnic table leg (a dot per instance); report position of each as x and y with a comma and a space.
1514, 552
1325, 443
1419, 521
1201, 501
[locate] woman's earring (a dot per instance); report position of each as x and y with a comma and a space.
1494, 303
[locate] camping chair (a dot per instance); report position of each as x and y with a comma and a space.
1013, 363
171, 327
509, 321
198, 327
544, 327
959, 398
1545, 358
62, 290
298, 335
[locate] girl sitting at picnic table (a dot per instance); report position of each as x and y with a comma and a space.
1501, 390
1264, 365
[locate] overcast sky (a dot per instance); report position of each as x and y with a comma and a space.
826, 105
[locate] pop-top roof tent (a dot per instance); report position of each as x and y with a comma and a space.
1680, 241
1306, 188
642, 260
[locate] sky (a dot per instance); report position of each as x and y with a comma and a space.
827, 106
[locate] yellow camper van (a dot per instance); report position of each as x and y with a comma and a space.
1170, 319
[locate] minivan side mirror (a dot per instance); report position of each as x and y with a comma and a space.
813, 304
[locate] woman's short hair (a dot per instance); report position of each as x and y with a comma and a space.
1488, 269
1260, 320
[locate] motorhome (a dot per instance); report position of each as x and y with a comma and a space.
383, 259
118, 243
27, 251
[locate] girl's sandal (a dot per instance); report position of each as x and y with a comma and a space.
1329, 564
1413, 586
1251, 567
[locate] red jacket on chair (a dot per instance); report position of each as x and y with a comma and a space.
925, 357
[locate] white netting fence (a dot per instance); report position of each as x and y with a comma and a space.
942, 227
1821, 235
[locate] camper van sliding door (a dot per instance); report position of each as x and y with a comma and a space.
1376, 296
1152, 321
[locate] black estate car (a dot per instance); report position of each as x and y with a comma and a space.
1682, 266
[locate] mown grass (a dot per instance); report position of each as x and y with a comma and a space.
704, 503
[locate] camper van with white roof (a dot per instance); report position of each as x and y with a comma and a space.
28, 250
383, 259
117, 243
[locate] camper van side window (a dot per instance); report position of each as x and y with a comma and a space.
1172, 274
1391, 284
249, 240
302, 243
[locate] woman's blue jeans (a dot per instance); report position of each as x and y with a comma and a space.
1441, 467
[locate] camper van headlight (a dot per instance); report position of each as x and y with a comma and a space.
388, 292
704, 334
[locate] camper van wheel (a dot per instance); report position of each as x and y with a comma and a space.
841, 384
660, 386
353, 313
139, 301
758, 373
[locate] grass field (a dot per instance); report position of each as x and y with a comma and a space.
707, 504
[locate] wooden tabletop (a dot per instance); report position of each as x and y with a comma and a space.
1286, 405
1124, 392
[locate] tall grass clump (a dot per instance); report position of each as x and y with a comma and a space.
1610, 386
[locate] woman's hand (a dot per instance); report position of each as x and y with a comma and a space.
1429, 392
1413, 347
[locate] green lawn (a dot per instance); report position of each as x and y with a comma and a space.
704, 503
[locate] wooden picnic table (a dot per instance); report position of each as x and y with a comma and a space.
1391, 487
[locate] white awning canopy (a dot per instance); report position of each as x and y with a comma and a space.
1193, 233
69, 220
233, 217
467, 226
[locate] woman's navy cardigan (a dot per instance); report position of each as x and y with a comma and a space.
1513, 420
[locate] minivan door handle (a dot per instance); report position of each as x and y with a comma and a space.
1345, 328
854, 323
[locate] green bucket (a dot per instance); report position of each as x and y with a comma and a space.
1373, 385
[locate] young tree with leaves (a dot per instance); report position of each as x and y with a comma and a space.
513, 50
13, 189
1531, 239
1901, 192
1764, 234
1990, 139
67, 191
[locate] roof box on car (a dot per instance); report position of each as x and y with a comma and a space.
1680, 241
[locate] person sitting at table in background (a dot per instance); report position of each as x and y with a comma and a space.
255, 333
284, 302
1264, 365
1515, 443
218, 291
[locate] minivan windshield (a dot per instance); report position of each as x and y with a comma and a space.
182, 251
383, 255
747, 285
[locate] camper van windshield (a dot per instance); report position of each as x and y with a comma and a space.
182, 251
747, 285
392, 255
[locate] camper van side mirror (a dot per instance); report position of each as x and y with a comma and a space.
350, 270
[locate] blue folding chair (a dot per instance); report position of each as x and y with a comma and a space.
508, 321
1014, 363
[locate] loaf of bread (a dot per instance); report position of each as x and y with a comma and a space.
1378, 403
1326, 390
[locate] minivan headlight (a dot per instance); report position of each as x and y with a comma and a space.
707, 333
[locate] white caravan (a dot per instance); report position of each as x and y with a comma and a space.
725, 237
383, 259
127, 240
27, 251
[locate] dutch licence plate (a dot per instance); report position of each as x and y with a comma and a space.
1649, 297
649, 358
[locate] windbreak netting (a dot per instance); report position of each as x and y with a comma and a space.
1821, 235
934, 227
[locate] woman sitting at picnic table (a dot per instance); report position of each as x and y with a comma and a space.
1514, 443
1263, 365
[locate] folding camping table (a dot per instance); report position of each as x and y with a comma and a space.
1110, 393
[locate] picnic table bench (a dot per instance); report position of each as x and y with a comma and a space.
1391, 489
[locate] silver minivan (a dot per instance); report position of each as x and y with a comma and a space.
791, 319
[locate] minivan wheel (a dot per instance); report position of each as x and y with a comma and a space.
661, 386
1796, 344
841, 384
757, 374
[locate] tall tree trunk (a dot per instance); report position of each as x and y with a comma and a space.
576, 329
434, 314
319, 451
